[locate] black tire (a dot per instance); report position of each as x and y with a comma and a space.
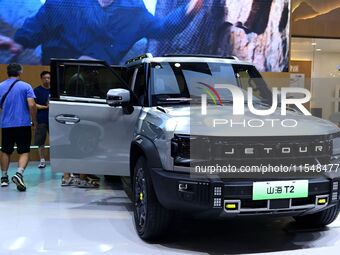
152, 220
319, 219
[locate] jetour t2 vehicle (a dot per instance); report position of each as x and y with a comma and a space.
134, 120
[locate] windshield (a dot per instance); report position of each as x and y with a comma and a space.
184, 82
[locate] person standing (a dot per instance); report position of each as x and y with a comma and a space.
42, 94
18, 111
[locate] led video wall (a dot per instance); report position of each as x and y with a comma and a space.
34, 31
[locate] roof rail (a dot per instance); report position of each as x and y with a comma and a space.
146, 55
200, 56
235, 58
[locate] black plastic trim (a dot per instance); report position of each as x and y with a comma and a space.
143, 145
166, 185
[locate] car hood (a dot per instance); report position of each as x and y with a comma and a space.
189, 120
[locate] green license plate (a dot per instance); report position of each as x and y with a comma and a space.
280, 189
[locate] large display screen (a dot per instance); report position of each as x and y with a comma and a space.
34, 31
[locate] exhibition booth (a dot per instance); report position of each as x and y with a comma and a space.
170, 122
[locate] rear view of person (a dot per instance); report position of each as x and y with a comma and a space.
42, 94
18, 110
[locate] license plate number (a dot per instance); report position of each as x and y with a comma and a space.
280, 189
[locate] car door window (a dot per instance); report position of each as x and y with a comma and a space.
90, 81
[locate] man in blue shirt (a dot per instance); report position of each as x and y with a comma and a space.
42, 94
99, 29
18, 110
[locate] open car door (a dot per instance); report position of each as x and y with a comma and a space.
86, 134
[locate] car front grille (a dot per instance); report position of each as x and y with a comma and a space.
257, 151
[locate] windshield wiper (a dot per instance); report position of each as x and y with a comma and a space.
173, 100
177, 99
260, 102
227, 101
193, 100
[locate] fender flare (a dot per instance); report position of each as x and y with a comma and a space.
143, 146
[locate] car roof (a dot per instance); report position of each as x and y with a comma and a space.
197, 59
183, 59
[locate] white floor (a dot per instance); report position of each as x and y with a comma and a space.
49, 219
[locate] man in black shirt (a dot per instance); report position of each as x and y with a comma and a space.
42, 94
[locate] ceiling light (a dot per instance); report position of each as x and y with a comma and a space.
314, 43
318, 49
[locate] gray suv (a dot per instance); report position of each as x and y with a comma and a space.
134, 120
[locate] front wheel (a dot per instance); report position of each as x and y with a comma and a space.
319, 219
151, 218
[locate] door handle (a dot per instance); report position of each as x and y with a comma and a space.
67, 119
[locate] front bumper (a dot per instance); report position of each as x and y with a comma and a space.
212, 197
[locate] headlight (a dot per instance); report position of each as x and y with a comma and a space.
187, 149
180, 150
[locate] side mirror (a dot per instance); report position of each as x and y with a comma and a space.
118, 97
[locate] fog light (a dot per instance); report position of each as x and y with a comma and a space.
217, 202
218, 191
334, 196
230, 206
322, 201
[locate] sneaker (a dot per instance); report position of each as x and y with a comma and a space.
42, 164
89, 184
72, 181
4, 181
19, 181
